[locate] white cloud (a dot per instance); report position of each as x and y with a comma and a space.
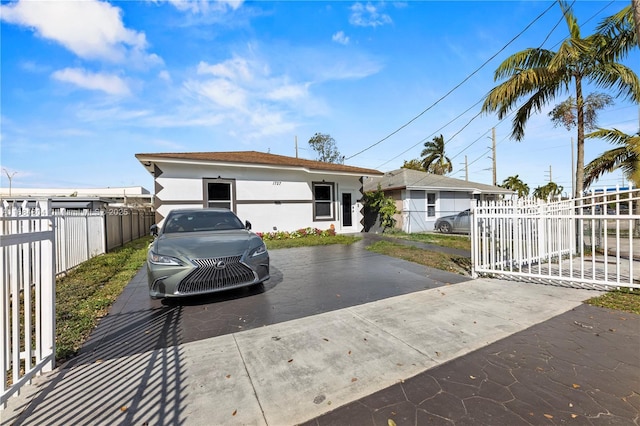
33, 67
91, 29
206, 6
232, 69
291, 91
107, 83
223, 93
164, 75
340, 37
368, 16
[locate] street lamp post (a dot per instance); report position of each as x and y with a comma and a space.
10, 177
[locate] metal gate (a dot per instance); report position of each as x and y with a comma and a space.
589, 242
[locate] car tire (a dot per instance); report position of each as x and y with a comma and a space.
445, 228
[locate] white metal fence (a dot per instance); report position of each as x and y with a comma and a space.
36, 245
80, 235
591, 242
27, 319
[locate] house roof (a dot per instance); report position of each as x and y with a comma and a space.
252, 158
414, 179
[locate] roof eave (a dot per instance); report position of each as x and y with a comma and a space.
147, 161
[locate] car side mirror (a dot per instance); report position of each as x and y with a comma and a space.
247, 224
154, 230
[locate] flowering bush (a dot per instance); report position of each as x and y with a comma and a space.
300, 233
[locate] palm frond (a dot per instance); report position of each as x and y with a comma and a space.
608, 162
618, 76
570, 19
523, 60
618, 35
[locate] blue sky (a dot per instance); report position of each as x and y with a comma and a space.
85, 85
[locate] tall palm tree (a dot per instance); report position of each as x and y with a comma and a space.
626, 157
435, 161
516, 184
542, 75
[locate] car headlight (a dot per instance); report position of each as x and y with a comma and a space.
159, 259
258, 250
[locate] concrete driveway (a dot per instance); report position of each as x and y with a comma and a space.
304, 282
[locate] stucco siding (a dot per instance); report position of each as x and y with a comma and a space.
267, 197
179, 189
273, 190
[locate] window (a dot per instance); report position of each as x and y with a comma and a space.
323, 201
431, 204
218, 193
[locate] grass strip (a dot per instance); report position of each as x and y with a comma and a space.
86, 293
624, 299
310, 240
462, 242
432, 259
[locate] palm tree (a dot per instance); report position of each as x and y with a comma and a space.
435, 161
542, 75
413, 164
551, 189
516, 184
625, 157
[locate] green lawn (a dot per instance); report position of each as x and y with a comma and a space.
87, 292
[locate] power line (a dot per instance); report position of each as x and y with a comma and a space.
455, 87
468, 109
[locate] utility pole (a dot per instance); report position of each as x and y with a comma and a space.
466, 169
493, 145
296, 146
573, 171
550, 175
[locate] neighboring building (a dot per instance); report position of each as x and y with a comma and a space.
421, 198
83, 204
273, 192
132, 196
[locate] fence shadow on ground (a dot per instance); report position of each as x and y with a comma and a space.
133, 372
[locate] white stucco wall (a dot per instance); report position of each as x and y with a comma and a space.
267, 197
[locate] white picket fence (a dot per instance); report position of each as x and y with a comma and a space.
590, 242
27, 320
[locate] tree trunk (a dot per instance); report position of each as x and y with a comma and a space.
580, 145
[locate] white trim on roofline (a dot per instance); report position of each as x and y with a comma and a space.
278, 167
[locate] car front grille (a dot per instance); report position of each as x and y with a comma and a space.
216, 274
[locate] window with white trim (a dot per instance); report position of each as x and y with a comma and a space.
219, 193
323, 201
431, 204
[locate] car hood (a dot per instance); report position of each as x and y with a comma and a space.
450, 217
198, 245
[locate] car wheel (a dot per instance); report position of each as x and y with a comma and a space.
445, 228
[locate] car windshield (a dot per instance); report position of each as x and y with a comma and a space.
201, 221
